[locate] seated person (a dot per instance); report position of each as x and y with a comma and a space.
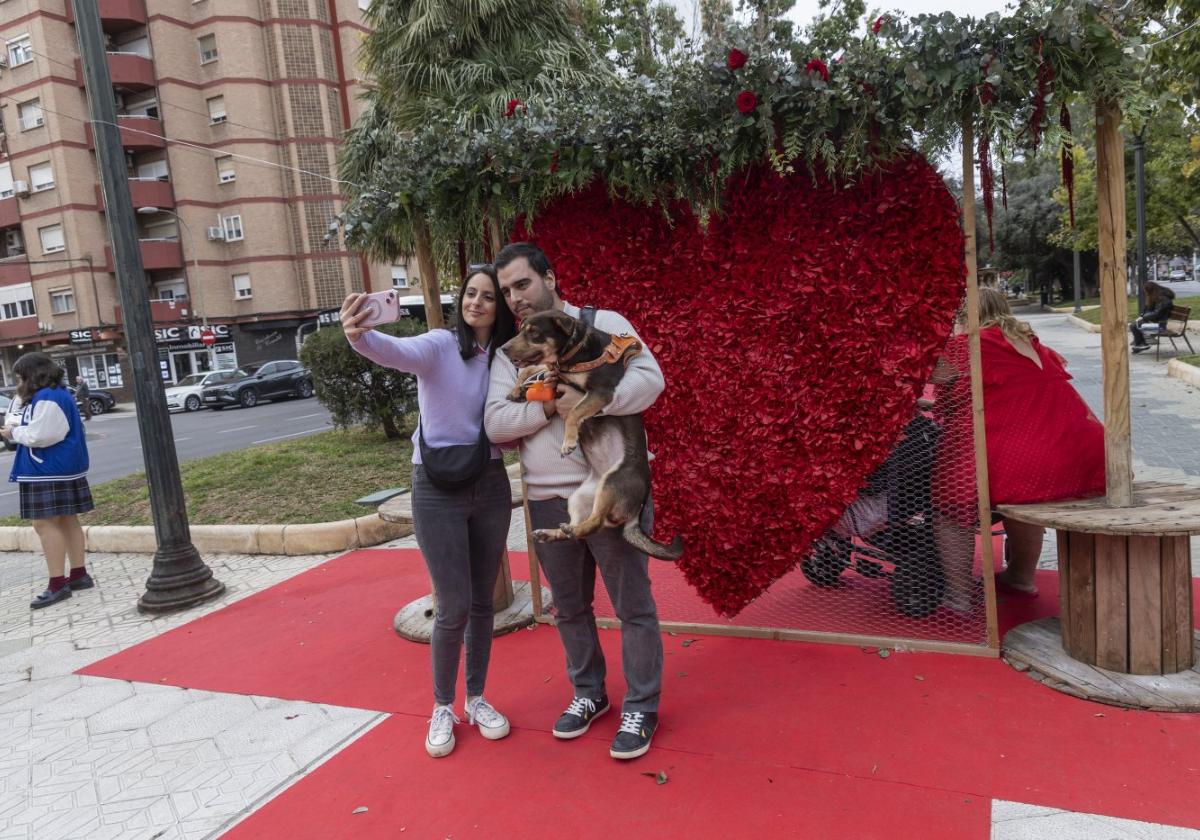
1043, 444
1159, 300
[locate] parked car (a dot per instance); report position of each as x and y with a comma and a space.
266, 381
188, 393
101, 401
1177, 275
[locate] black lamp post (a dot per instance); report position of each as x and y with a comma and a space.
179, 579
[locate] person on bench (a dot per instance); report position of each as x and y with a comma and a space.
1043, 444
1159, 300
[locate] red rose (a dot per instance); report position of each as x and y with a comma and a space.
513, 105
878, 24
736, 60
818, 66
747, 101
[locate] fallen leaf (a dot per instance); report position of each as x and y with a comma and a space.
660, 778
683, 673
1098, 714
290, 717
688, 642
546, 680
919, 678
361, 809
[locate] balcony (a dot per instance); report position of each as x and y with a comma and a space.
116, 15
19, 327
157, 254
165, 311
14, 270
145, 192
9, 215
135, 134
129, 71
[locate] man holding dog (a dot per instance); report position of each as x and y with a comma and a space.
528, 284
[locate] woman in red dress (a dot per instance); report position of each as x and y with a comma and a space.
1043, 444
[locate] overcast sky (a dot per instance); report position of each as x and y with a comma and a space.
805, 10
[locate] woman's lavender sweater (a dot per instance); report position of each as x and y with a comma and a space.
450, 392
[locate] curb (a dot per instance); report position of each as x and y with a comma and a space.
1182, 370
318, 538
1082, 324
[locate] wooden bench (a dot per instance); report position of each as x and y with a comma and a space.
1125, 587
1176, 327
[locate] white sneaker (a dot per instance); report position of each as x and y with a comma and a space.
440, 740
492, 725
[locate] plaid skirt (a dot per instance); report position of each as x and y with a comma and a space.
42, 499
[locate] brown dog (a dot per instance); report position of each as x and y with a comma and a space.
590, 363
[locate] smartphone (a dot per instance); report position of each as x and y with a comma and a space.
381, 308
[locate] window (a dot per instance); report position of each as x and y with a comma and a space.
41, 177
170, 289
216, 110
286, 366
6, 184
141, 105
233, 228
17, 301
208, 48
399, 277
52, 239
225, 170
241, 286
20, 51
30, 114
101, 371
13, 245
62, 300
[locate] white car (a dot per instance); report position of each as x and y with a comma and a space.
185, 395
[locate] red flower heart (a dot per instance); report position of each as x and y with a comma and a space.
747, 101
818, 66
878, 24
736, 60
795, 333
512, 106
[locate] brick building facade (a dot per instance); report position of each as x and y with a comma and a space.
233, 210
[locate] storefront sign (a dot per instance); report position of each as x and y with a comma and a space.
329, 316
81, 336
171, 335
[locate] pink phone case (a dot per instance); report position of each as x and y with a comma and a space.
381, 308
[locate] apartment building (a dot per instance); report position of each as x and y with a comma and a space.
231, 112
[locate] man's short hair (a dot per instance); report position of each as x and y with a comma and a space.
537, 258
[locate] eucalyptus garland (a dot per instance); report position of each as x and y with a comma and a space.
907, 83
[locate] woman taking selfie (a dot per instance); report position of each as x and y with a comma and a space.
50, 468
461, 503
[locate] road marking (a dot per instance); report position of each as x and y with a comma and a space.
239, 428
10, 493
293, 434
181, 440
306, 416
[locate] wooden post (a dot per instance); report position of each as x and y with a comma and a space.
977, 416
1110, 199
497, 238
430, 287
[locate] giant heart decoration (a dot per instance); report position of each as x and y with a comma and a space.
795, 331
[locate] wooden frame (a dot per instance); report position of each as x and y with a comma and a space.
992, 646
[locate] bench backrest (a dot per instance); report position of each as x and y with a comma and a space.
1177, 322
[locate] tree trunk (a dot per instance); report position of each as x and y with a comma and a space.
430, 287
389, 426
1190, 230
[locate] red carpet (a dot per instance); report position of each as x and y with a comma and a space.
854, 745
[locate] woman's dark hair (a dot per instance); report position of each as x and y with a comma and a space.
1156, 292
36, 371
502, 330
537, 258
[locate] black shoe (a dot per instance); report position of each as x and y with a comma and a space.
84, 582
47, 598
579, 716
1140, 348
634, 736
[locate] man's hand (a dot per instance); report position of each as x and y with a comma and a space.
551, 406
351, 315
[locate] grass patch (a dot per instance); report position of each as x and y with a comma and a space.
1092, 316
1190, 360
309, 479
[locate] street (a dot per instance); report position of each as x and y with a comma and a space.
115, 448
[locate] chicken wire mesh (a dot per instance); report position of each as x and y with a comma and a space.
904, 560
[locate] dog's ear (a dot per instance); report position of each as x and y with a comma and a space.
564, 322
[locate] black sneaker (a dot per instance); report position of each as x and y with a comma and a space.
579, 716
1140, 348
84, 582
634, 736
47, 598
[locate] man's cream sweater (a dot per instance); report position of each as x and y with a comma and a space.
547, 474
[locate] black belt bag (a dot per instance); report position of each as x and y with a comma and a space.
454, 467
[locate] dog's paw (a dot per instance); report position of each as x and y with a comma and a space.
543, 535
566, 530
516, 396
567, 448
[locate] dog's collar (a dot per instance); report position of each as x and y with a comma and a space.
625, 346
